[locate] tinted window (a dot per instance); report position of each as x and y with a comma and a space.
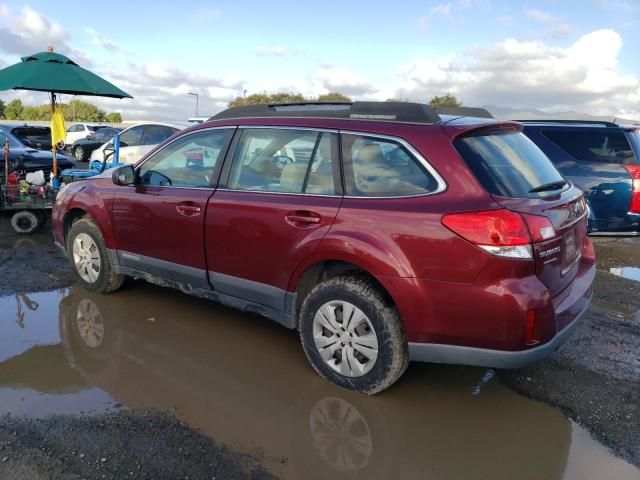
601, 145
190, 161
94, 128
509, 165
282, 160
132, 137
154, 134
380, 168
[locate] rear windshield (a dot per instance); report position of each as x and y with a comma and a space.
31, 131
95, 128
509, 165
634, 139
602, 145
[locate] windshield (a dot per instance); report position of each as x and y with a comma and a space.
510, 165
95, 128
13, 141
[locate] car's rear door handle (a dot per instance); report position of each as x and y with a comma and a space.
303, 218
189, 209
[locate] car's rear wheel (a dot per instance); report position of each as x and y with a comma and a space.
79, 154
89, 258
352, 334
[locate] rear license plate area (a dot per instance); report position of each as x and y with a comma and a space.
571, 253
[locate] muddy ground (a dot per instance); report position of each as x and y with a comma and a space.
594, 379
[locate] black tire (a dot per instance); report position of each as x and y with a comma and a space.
107, 281
25, 222
393, 351
80, 154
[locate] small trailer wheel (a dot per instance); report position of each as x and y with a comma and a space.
25, 222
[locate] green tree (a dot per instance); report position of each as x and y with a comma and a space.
265, 98
447, 100
30, 113
114, 117
79, 111
13, 111
333, 97
2, 106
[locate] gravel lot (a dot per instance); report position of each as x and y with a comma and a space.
594, 379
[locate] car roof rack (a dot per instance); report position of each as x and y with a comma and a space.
602, 123
477, 112
381, 111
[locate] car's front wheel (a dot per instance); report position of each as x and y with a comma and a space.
352, 334
89, 259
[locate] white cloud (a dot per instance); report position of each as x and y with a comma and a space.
441, 9
344, 81
422, 24
556, 27
102, 41
272, 51
584, 76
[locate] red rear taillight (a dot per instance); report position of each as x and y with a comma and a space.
501, 232
531, 337
540, 228
634, 171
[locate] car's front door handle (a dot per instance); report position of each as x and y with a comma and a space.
303, 218
189, 209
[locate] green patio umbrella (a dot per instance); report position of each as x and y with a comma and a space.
55, 73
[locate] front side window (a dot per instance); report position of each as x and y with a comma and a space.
601, 145
191, 161
375, 167
283, 160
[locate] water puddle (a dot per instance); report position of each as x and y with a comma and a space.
631, 273
244, 381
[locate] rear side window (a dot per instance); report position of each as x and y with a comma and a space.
509, 165
375, 167
284, 160
602, 145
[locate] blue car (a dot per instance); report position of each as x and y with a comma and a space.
601, 158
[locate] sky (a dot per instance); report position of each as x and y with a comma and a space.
552, 55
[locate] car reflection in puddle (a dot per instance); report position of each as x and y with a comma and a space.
245, 382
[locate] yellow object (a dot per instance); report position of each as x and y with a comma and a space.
58, 131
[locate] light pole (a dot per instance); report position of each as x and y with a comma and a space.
197, 96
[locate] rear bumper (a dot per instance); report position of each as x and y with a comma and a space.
454, 354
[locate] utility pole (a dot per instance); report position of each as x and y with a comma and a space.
197, 96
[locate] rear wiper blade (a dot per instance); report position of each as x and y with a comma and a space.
549, 186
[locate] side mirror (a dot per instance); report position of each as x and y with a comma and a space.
124, 175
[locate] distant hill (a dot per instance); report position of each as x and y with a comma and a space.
533, 114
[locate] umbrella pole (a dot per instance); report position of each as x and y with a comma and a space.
54, 147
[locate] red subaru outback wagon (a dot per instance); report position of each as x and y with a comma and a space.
383, 232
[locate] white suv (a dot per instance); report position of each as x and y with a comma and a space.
78, 131
140, 139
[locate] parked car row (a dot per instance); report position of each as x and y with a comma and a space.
27, 159
384, 232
